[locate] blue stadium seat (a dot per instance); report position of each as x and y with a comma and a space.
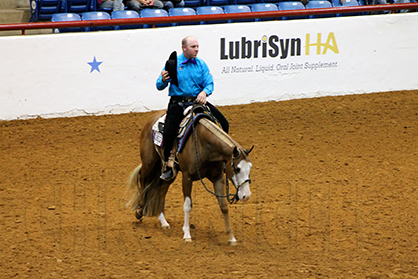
291, 5
350, 3
44, 9
263, 7
97, 15
77, 6
125, 14
59, 17
336, 3
346, 3
184, 11
65, 17
318, 4
210, 10
232, 9
154, 13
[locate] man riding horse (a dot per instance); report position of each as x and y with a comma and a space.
190, 81
209, 153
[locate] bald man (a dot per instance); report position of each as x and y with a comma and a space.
195, 83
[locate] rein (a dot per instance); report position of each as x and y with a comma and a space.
228, 195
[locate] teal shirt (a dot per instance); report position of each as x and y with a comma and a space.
192, 78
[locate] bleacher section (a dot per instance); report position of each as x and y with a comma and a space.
45, 10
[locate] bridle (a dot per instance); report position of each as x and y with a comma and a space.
242, 183
235, 197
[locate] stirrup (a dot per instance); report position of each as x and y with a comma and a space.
168, 174
169, 170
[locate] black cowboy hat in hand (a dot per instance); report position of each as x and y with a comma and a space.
171, 68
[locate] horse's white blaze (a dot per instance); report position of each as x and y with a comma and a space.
187, 207
244, 192
163, 221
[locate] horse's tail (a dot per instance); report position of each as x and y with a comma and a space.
135, 184
149, 196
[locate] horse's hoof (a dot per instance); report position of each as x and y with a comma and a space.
138, 215
189, 239
232, 243
166, 227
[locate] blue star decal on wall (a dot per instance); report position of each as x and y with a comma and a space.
94, 65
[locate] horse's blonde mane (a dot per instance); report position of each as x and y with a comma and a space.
212, 127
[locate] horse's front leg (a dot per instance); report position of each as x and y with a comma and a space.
187, 206
223, 204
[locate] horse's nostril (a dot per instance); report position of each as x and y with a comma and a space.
245, 198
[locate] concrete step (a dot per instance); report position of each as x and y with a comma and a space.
8, 4
23, 4
27, 32
20, 15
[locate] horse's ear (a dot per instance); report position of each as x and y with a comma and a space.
236, 152
248, 152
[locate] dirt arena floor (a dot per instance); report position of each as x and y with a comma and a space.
334, 196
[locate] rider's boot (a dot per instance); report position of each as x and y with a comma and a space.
169, 171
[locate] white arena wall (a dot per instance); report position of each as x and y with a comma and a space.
50, 75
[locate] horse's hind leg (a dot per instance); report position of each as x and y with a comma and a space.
161, 217
163, 221
223, 204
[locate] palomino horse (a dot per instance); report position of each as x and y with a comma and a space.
208, 153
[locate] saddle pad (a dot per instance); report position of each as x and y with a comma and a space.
157, 131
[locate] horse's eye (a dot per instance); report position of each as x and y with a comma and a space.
237, 170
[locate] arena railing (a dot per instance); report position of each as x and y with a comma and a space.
198, 18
